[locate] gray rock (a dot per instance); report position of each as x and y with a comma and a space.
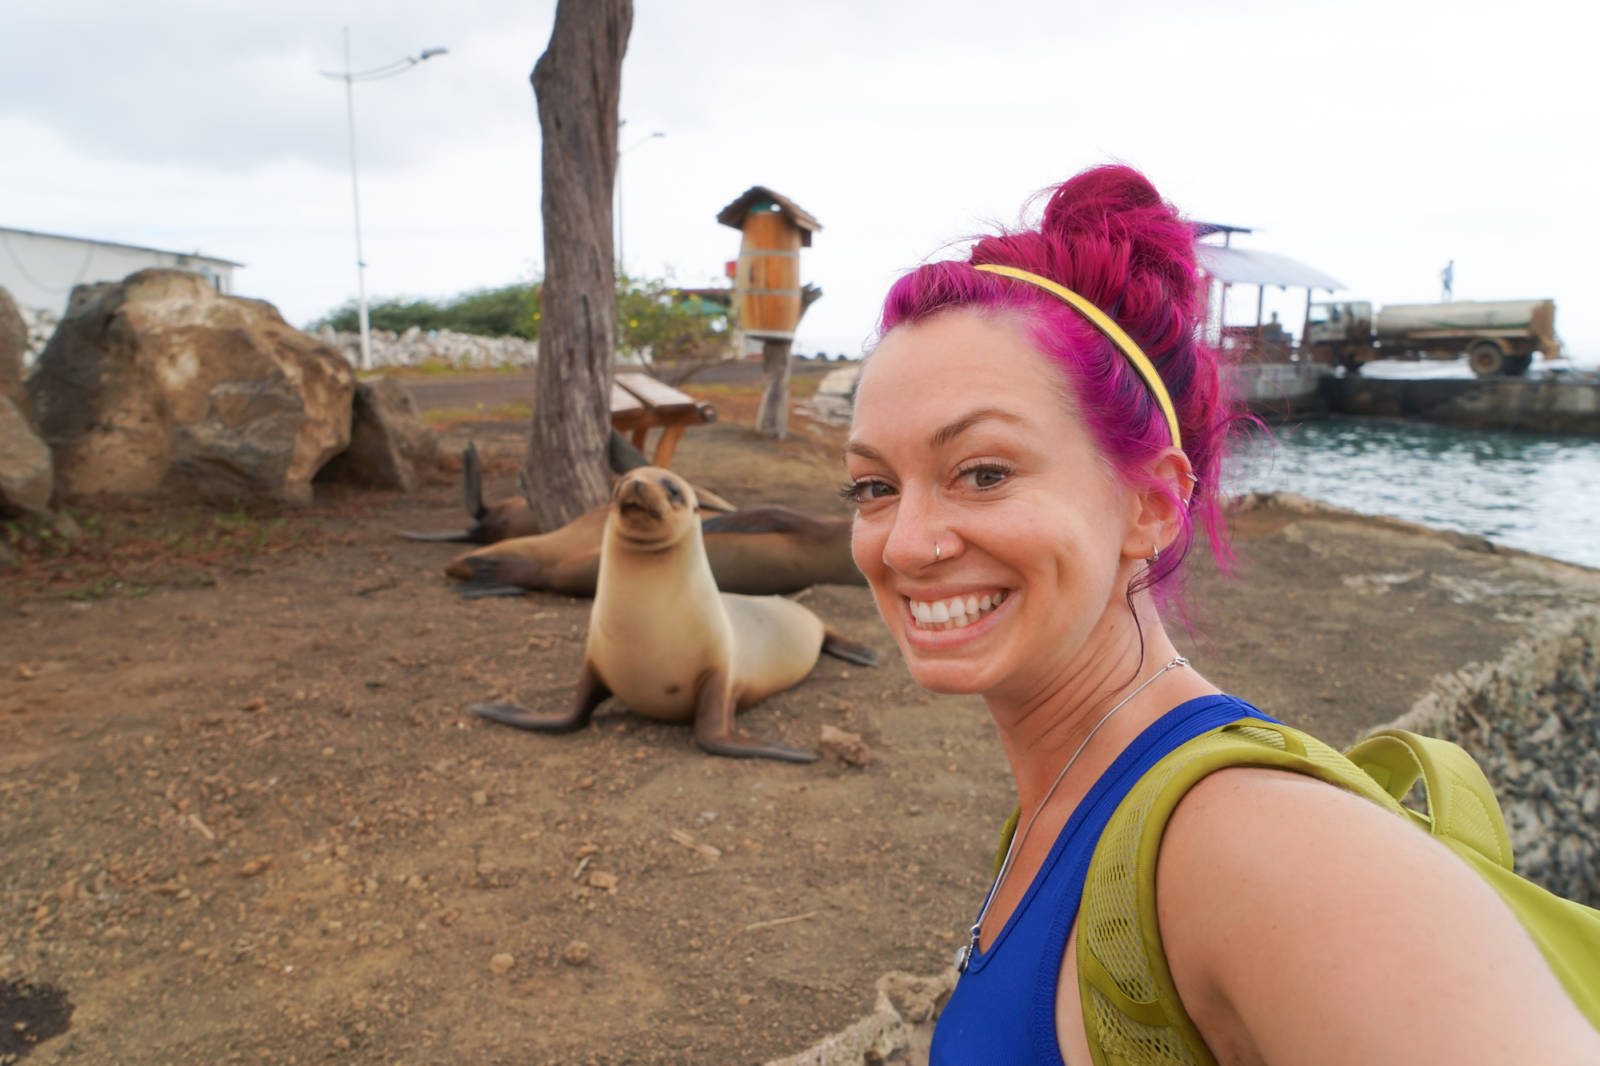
1548, 730
13, 350
390, 446
1532, 721
160, 385
26, 472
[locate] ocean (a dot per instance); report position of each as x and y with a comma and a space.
1537, 493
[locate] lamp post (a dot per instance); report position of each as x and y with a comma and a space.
350, 77
622, 258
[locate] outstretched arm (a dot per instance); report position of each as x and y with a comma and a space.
1306, 926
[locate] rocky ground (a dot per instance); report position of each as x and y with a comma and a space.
248, 818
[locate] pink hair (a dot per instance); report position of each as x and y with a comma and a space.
1107, 235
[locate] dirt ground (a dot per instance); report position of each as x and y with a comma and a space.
248, 818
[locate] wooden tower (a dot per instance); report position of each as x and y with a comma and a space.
766, 284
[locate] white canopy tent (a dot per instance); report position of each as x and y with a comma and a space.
1246, 266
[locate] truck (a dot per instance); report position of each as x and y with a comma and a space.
1496, 336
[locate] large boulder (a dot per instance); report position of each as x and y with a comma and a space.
389, 444
13, 349
160, 385
25, 468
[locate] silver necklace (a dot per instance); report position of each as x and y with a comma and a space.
965, 952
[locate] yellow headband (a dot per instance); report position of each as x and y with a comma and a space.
1113, 333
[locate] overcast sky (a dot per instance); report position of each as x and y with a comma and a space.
1373, 140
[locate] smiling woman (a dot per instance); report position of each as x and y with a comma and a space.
1035, 437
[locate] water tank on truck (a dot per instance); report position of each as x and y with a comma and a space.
1496, 336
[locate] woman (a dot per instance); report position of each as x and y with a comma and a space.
1027, 483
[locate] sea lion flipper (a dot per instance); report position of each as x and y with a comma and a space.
472, 481
842, 647
715, 732
621, 455
471, 495
497, 570
592, 692
482, 590
711, 501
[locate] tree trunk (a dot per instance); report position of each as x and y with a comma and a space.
578, 82
773, 417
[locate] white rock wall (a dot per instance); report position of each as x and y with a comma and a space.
41, 325
468, 351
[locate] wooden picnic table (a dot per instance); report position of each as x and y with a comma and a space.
640, 403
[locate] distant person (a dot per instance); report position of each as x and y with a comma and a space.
1028, 483
1273, 334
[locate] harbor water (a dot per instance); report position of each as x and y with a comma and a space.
1539, 494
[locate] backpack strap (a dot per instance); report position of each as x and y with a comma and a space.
1132, 1013
1461, 803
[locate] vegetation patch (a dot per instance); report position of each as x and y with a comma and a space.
128, 551
681, 329
442, 419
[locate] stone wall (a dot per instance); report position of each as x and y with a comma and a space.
468, 351
1565, 404
41, 325
1532, 720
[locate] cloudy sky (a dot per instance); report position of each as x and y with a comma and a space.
1373, 140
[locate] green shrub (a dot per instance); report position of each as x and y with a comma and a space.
508, 311
652, 314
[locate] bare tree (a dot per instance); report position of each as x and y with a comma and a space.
578, 83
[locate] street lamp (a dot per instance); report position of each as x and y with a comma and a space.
350, 77
622, 259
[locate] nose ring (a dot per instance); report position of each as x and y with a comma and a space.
936, 551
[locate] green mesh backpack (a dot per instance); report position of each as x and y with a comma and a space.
1131, 1009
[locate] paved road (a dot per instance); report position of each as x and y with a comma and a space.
436, 391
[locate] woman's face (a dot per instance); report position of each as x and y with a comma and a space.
965, 434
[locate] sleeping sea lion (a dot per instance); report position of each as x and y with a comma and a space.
759, 551
665, 642
502, 520
512, 517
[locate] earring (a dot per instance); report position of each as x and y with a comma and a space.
1155, 557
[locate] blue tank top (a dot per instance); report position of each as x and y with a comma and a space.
1003, 1009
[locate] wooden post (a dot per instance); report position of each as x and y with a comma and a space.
1261, 299
578, 83
773, 419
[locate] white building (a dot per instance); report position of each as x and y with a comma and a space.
40, 269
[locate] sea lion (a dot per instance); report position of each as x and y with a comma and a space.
758, 551
501, 520
665, 642
512, 517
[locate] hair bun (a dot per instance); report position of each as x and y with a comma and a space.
1094, 199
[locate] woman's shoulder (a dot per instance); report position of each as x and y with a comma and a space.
1303, 923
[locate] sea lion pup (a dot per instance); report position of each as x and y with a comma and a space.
758, 551
666, 643
512, 517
